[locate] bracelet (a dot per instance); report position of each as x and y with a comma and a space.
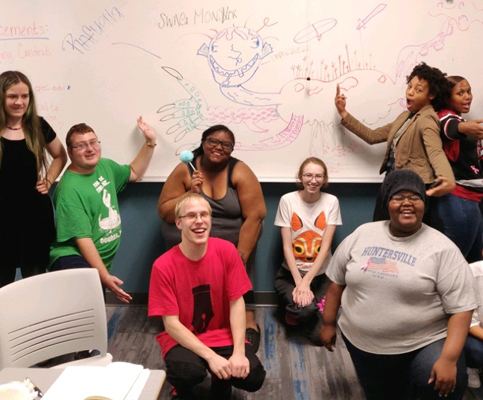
151, 145
48, 181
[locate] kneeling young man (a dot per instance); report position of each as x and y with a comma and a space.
197, 288
87, 210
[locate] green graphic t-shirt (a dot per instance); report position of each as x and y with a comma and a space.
86, 207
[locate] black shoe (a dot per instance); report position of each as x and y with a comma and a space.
80, 355
185, 395
253, 337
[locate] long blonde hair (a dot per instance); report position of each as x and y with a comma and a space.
30, 121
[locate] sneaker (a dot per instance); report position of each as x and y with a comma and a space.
473, 378
253, 337
176, 395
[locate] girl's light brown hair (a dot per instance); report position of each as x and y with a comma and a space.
30, 120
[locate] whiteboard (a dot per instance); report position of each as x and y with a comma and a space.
266, 69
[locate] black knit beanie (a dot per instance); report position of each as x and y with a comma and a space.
402, 179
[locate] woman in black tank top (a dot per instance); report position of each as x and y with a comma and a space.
235, 196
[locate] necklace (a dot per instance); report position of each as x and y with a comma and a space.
14, 129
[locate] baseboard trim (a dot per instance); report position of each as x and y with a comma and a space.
262, 299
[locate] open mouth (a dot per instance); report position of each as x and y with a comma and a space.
407, 213
239, 71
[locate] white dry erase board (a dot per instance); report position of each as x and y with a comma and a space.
188, 64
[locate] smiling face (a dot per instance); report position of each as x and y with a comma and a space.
217, 154
234, 55
313, 178
461, 98
417, 95
194, 222
17, 99
406, 210
84, 161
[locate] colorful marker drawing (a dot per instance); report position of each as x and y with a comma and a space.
267, 70
275, 120
459, 16
234, 55
193, 113
188, 113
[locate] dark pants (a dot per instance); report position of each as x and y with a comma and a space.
7, 274
69, 262
399, 376
473, 352
284, 286
185, 369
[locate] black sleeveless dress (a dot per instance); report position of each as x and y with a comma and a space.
26, 216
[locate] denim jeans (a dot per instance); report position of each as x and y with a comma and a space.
462, 222
474, 352
403, 376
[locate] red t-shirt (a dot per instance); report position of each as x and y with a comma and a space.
199, 292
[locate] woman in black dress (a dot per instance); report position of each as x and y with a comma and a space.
27, 223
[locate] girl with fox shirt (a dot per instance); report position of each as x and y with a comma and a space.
308, 219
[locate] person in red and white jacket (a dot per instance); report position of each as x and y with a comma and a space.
459, 210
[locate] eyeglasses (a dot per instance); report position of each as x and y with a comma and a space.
84, 145
309, 177
194, 216
400, 198
215, 142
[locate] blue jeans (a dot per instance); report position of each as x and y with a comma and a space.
403, 376
473, 352
462, 222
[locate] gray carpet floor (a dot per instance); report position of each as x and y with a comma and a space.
296, 370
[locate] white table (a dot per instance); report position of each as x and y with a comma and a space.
45, 377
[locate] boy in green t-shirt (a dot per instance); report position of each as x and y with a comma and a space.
87, 211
